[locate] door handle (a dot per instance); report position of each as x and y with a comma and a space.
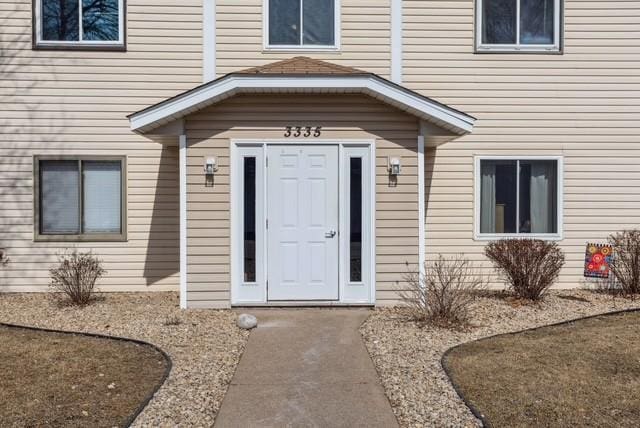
330, 234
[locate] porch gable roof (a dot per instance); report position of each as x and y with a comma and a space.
301, 75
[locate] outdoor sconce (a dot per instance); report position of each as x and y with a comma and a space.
394, 166
210, 166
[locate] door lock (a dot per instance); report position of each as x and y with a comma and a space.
330, 234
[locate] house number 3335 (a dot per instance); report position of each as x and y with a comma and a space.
302, 131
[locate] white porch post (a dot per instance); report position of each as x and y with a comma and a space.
421, 200
183, 219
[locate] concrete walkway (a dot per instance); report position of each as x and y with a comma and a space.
306, 368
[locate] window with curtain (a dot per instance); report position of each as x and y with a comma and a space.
518, 196
294, 23
518, 25
80, 22
80, 198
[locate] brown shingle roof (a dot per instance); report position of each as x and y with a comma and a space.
302, 65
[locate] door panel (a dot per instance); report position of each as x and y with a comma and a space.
302, 211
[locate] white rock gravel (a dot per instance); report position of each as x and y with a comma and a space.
204, 345
407, 356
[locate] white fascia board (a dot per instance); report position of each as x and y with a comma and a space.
377, 87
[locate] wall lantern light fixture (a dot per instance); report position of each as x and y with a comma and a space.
394, 166
210, 165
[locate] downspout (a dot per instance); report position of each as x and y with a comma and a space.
183, 218
208, 40
421, 200
396, 41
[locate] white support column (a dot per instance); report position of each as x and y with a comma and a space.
421, 200
183, 219
208, 40
396, 41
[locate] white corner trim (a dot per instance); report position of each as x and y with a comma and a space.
421, 201
188, 102
208, 40
396, 41
183, 220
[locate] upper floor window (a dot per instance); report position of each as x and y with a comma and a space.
518, 25
306, 24
85, 24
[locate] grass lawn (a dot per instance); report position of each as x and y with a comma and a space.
55, 379
586, 373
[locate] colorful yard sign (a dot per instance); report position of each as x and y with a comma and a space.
596, 260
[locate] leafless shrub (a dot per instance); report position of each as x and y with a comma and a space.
4, 258
444, 295
625, 263
528, 266
75, 276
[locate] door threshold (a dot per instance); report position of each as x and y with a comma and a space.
301, 303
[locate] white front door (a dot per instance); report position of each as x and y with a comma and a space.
302, 215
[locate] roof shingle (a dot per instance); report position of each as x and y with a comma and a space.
302, 65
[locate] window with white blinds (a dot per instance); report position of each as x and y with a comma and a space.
80, 198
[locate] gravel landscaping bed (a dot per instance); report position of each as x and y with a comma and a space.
407, 356
204, 345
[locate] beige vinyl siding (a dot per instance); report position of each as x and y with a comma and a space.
209, 133
583, 105
365, 37
75, 103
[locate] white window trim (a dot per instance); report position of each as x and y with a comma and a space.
300, 48
518, 47
248, 294
37, 13
560, 201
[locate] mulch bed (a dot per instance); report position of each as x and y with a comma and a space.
58, 379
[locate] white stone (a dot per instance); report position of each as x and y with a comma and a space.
247, 321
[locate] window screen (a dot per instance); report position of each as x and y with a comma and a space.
80, 197
102, 196
59, 197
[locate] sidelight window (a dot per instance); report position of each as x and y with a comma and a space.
249, 219
355, 219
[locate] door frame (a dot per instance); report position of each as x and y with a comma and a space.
255, 294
